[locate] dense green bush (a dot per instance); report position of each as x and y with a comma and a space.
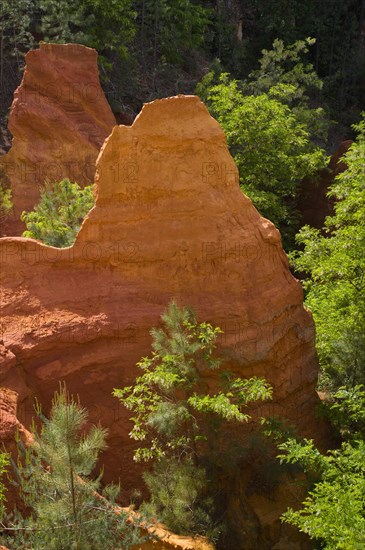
285, 75
58, 216
333, 263
271, 148
4, 463
6, 203
271, 127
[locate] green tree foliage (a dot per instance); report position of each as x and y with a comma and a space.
111, 30
179, 496
286, 76
334, 264
172, 407
4, 463
57, 218
53, 475
336, 25
63, 21
167, 45
333, 513
6, 203
169, 35
174, 27
5, 200
271, 148
88, 22
15, 36
284, 65
145, 37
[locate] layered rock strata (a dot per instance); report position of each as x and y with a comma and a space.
169, 221
59, 119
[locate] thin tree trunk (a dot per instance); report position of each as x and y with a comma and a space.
73, 492
2, 60
143, 43
332, 48
155, 45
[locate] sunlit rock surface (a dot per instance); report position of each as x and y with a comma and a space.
59, 119
169, 221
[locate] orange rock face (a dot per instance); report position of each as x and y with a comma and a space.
169, 221
9, 423
59, 120
10, 427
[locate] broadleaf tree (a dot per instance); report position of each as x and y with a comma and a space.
333, 512
332, 263
271, 147
285, 75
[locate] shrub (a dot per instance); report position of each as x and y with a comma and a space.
57, 218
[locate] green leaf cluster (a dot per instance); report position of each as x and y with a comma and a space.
285, 65
179, 496
4, 463
6, 203
5, 200
169, 397
285, 76
271, 148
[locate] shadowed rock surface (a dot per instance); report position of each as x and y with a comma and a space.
313, 203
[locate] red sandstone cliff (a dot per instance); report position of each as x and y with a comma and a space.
59, 119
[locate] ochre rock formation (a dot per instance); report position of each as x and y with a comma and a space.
169, 221
10, 428
59, 120
9, 423
314, 204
